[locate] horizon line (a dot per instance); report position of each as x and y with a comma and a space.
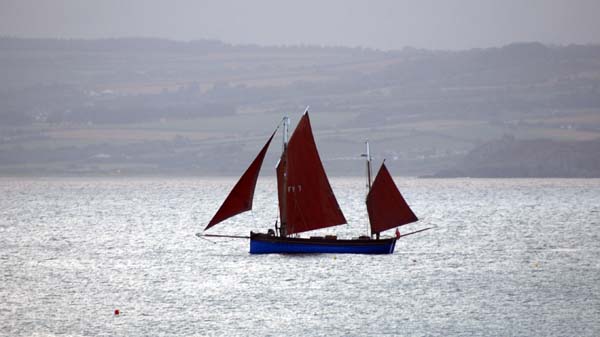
300, 45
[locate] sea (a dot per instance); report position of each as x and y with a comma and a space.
503, 257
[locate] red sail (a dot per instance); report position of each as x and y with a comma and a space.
310, 203
240, 198
386, 206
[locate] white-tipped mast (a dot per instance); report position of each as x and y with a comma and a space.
283, 215
286, 125
368, 185
368, 166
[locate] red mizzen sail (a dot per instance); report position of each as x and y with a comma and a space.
309, 201
386, 206
240, 198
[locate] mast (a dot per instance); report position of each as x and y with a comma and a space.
368, 174
283, 208
368, 155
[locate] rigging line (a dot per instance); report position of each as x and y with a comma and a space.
280, 123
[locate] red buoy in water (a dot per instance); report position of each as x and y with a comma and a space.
117, 312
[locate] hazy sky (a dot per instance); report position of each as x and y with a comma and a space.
442, 24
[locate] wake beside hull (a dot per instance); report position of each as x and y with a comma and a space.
270, 244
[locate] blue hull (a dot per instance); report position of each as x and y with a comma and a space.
268, 244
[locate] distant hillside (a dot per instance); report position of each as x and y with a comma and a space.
156, 106
509, 157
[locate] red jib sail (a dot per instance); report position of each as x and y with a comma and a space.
309, 201
386, 206
240, 198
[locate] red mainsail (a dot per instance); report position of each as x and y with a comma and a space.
240, 198
386, 206
309, 201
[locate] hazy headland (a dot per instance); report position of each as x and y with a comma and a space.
150, 106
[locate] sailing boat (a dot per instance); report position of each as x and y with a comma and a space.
307, 202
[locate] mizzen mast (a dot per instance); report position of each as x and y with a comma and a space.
368, 174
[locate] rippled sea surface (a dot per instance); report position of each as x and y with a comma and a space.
504, 257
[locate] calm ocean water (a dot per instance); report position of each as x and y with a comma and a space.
505, 258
